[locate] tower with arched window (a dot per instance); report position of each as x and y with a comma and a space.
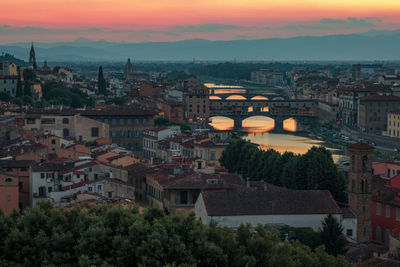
359, 191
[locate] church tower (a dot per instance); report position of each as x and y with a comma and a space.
32, 58
128, 70
359, 189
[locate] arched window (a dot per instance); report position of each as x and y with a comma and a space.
378, 235
364, 163
8, 180
65, 121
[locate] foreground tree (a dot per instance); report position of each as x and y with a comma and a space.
332, 237
121, 236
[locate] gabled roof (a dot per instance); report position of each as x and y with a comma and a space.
273, 200
360, 146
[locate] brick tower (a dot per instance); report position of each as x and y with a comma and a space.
359, 189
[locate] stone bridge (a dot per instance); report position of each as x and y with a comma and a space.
279, 110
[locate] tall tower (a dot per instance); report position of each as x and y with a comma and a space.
128, 69
359, 189
32, 58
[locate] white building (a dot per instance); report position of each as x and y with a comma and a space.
151, 137
269, 207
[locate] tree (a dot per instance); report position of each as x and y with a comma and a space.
29, 77
19, 92
101, 82
5, 96
332, 237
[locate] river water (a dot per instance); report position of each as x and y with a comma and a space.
257, 130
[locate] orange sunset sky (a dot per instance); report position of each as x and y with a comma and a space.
170, 20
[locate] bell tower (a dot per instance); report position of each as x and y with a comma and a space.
32, 58
359, 188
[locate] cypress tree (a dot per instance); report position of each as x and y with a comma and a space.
101, 82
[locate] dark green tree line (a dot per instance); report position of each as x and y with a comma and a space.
121, 236
313, 170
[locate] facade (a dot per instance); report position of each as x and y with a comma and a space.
360, 188
327, 112
8, 69
197, 102
387, 169
386, 209
152, 136
373, 111
20, 170
267, 77
126, 125
349, 100
67, 124
8, 193
8, 84
393, 124
209, 151
389, 79
273, 206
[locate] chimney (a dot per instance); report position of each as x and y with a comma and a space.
265, 186
248, 182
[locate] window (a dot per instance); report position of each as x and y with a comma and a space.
106, 121
109, 194
378, 209
121, 122
30, 121
48, 121
53, 141
184, 197
42, 175
397, 214
364, 163
114, 122
387, 235
65, 121
50, 189
387, 211
129, 121
42, 191
9, 198
349, 232
378, 234
99, 188
24, 169
20, 185
65, 132
212, 155
95, 131
90, 189
9, 180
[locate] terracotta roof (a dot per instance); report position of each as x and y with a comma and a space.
16, 163
360, 146
380, 98
274, 200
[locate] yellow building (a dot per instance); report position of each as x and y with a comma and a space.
393, 124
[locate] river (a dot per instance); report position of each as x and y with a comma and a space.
257, 130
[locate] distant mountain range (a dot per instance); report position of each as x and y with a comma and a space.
372, 45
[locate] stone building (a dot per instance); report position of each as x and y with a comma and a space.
393, 124
360, 188
8, 192
373, 111
197, 102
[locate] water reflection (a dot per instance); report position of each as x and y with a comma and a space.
236, 97
259, 98
213, 97
257, 128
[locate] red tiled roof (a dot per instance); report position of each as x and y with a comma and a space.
360, 146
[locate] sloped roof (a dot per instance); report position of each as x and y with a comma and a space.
274, 200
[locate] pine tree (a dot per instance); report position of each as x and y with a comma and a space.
101, 83
331, 236
19, 92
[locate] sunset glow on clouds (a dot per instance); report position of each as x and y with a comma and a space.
170, 20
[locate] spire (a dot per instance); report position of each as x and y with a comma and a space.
32, 58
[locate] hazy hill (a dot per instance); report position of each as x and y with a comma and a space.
372, 45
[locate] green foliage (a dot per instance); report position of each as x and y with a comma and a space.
19, 92
120, 236
161, 121
5, 96
305, 236
56, 93
101, 82
178, 75
332, 237
120, 101
29, 77
313, 170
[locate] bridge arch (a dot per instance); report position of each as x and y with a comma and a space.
290, 124
221, 123
278, 98
258, 123
236, 97
214, 97
259, 97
